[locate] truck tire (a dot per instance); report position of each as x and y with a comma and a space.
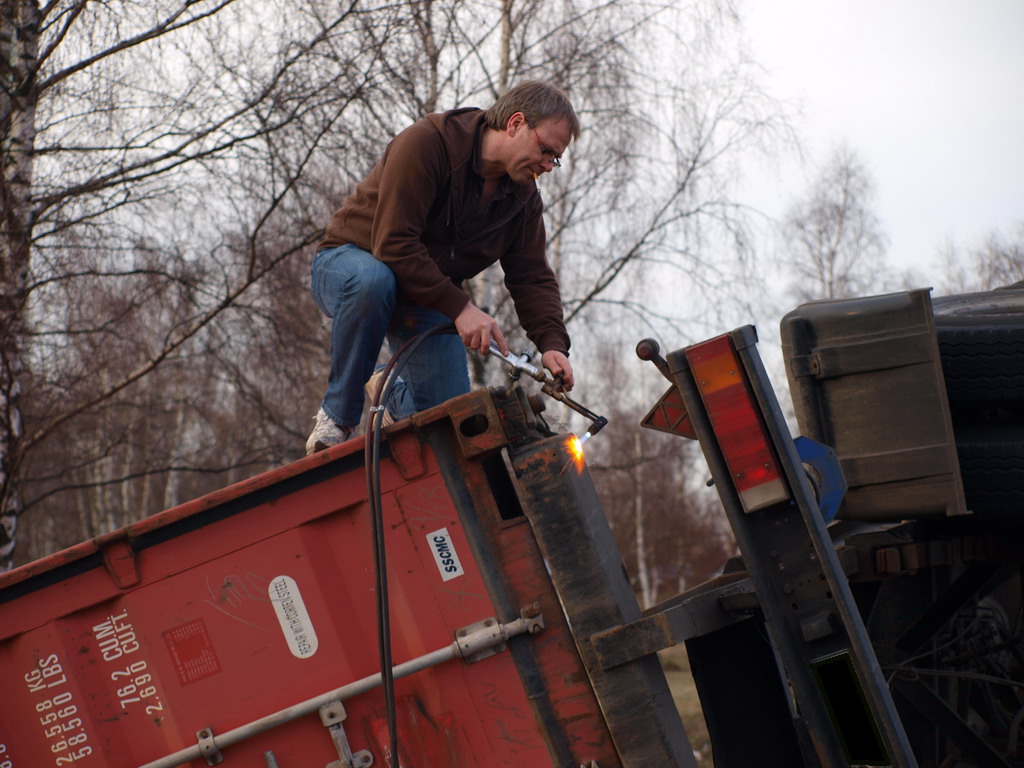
981, 343
982, 365
993, 475
981, 346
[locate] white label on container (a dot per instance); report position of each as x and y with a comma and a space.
293, 616
444, 554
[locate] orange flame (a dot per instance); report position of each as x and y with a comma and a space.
575, 446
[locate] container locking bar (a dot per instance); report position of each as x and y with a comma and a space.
470, 646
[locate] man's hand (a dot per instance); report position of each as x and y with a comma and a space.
558, 363
476, 329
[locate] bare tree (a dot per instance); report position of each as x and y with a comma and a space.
169, 167
671, 535
668, 104
1001, 261
125, 132
668, 524
997, 263
833, 239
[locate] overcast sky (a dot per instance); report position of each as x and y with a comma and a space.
928, 93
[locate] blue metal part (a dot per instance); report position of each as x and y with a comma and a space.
826, 475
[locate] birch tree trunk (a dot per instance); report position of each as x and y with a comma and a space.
643, 564
19, 34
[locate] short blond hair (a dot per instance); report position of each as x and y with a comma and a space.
537, 100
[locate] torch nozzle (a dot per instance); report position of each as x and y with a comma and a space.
597, 426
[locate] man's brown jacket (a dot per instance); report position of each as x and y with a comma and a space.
419, 212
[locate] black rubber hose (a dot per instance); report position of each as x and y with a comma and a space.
372, 462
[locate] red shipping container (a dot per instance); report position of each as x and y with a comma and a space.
241, 627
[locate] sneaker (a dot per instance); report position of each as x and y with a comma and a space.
370, 389
326, 433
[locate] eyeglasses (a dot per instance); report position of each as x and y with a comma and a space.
549, 154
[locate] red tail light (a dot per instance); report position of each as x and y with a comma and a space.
736, 420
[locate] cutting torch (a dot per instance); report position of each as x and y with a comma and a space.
552, 387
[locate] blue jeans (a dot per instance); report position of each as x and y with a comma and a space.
359, 294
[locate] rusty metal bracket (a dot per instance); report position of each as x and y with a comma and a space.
725, 601
475, 422
929, 553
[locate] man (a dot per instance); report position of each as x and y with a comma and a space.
452, 194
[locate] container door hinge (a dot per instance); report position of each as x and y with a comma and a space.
333, 717
208, 747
